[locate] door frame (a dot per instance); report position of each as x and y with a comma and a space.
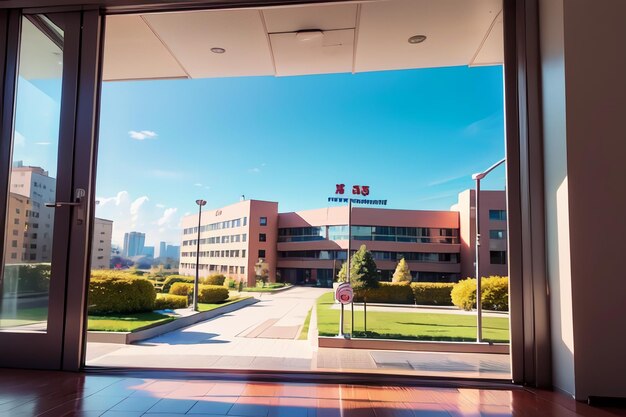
530, 330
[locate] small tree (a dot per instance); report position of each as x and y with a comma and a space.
363, 275
402, 273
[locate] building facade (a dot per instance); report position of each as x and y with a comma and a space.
309, 247
101, 244
134, 243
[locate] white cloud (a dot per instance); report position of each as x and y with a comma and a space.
135, 207
168, 214
198, 184
42, 143
254, 170
207, 187
121, 197
159, 205
142, 135
449, 179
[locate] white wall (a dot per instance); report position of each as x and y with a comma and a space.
582, 48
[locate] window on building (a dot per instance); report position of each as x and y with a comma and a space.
16, 221
242, 269
497, 214
262, 237
245, 221
14, 255
497, 257
244, 237
15, 232
497, 234
261, 253
243, 253
14, 243
263, 221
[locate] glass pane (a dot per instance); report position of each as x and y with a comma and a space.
29, 224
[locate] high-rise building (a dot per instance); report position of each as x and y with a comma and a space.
133, 244
148, 251
101, 244
162, 249
172, 251
31, 189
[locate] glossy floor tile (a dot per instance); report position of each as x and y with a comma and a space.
58, 394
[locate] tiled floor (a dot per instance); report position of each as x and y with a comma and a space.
56, 394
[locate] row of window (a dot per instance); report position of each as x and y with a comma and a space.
223, 269
370, 233
217, 253
378, 255
227, 224
217, 239
497, 215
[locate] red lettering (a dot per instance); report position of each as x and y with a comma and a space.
340, 189
356, 189
365, 190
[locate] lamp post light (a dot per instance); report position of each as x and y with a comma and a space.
479, 310
200, 203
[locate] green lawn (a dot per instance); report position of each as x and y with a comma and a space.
140, 321
409, 325
268, 287
126, 322
304, 333
25, 316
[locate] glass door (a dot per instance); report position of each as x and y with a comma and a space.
39, 200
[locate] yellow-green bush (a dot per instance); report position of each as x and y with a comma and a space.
216, 279
494, 293
181, 288
121, 293
172, 279
212, 294
432, 293
171, 302
387, 292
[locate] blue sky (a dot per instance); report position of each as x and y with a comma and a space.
414, 136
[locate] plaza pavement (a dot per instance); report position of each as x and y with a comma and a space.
264, 336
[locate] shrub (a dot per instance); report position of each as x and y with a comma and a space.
181, 288
216, 279
387, 292
170, 280
212, 294
27, 278
229, 283
120, 294
170, 302
402, 272
494, 293
432, 293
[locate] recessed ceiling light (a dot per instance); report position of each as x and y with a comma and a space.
417, 39
218, 50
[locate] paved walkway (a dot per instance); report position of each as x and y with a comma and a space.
263, 336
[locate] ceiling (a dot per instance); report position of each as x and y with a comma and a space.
299, 40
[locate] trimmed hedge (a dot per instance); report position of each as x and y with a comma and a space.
388, 292
217, 279
172, 279
212, 294
494, 293
181, 288
432, 293
122, 293
170, 302
206, 293
31, 278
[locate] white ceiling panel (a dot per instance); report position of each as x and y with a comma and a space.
329, 53
492, 50
455, 30
191, 35
324, 17
133, 51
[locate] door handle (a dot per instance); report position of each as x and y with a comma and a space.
78, 202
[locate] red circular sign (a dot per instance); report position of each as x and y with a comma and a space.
344, 293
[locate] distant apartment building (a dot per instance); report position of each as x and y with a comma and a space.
169, 251
31, 221
101, 244
162, 249
134, 243
309, 247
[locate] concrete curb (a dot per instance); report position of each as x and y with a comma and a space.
132, 337
269, 292
413, 346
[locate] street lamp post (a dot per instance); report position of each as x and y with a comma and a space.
479, 309
200, 203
